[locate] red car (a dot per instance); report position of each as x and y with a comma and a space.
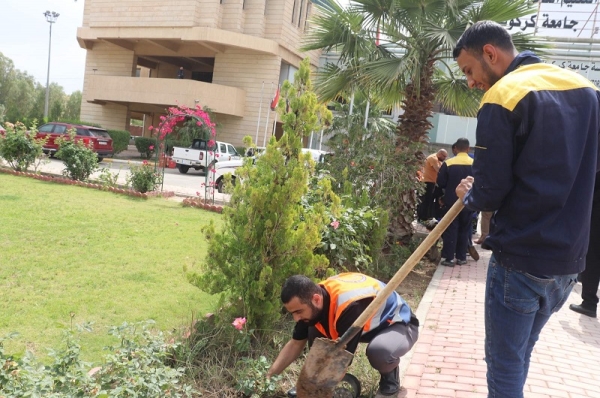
100, 140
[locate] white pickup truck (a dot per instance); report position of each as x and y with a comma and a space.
199, 155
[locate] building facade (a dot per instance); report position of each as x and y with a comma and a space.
234, 53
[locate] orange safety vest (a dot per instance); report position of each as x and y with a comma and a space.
346, 288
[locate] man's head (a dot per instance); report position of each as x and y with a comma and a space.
302, 298
462, 145
442, 154
454, 150
181, 68
483, 53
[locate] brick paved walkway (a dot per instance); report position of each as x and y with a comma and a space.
448, 359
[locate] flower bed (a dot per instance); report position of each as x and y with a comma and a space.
67, 181
202, 204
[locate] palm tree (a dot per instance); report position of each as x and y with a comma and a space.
402, 51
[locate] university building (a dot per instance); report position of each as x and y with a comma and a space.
233, 54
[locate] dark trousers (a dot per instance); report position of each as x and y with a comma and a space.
456, 237
425, 211
590, 277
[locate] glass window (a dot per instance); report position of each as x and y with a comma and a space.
46, 128
60, 129
83, 132
222, 148
231, 150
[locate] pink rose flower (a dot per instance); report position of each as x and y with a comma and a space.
151, 147
335, 224
239, 323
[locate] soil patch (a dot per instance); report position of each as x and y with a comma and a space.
415, 284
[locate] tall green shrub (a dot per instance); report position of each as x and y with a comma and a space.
268, 234
79, 158
19, 147
120, 140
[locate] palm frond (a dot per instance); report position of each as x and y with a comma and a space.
500, 10
454, 93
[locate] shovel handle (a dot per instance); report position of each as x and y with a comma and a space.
408, 265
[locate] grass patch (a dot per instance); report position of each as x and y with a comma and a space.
71, 255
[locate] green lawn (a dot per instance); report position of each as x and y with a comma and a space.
103, 257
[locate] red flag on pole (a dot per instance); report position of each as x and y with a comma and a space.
275, 100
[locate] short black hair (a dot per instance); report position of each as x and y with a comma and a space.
299, 286
480, 34
462, 144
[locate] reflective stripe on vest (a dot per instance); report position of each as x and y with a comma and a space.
344, 289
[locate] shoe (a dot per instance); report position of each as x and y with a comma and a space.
583, 310
473, 253
401, 393
447, 263
461, 262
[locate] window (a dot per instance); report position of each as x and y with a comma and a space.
46, 128
294, 11
231, 150
308, 7
300, 12
223, 148
60, 129
138, 72
83, 132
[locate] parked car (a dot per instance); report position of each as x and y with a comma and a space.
100, 140
222, 169
200, 155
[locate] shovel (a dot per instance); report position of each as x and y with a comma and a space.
327, 360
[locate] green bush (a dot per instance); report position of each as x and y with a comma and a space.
19, 147
144, 178
268, 234
351, 240
136, 367
120, 140
146, 146
79, 159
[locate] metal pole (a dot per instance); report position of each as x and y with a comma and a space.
259, 112
51, 17
267, 123
367, 113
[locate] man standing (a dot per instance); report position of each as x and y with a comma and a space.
431, 168
540, 231
456, 236
329, 308
590, 278
180, 73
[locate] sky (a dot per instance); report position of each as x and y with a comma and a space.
24, 34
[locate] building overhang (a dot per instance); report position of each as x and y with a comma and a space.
156, 95
199, 41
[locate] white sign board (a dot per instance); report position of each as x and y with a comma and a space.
561, 19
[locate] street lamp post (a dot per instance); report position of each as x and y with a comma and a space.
51, 17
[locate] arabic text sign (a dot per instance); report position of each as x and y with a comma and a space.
561, 19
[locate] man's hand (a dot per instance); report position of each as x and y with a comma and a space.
464, 187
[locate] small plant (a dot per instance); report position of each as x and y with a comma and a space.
120, 140
144, 178
79, 158
146, 146
253, 381
108, 179
19, 147
136, 367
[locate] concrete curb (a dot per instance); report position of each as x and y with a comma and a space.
112, 160
421, 313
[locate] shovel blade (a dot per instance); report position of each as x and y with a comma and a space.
324, 368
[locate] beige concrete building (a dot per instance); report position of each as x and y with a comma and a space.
227, 49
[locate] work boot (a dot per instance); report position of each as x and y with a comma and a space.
389, 384
447, 263
461, 262
402, 393
583, 310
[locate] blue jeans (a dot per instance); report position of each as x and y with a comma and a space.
517, 306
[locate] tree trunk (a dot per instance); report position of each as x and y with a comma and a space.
411, 136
